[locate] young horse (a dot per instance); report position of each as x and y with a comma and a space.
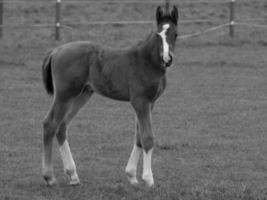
74, 71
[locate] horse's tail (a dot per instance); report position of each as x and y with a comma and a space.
47, 73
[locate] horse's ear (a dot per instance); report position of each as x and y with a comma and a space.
159, 14
175, 14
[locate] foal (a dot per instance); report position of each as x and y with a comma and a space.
74, 71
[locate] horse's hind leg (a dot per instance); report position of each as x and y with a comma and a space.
65, 152
66, 156
50, 127
131, 167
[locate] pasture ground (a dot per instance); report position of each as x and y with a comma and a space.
210, 124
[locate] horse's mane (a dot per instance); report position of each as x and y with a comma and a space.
137, 45
143, 41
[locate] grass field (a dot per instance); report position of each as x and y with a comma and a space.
210, 124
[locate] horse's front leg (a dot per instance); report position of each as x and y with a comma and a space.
131, 167
142, 108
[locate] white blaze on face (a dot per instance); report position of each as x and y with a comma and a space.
166, 56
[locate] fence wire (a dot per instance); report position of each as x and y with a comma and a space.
251, 25
133, 1
246, 23
203, 32
181, 37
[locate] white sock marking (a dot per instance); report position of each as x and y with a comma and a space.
133, 160
66, 156
163, 36
147, 171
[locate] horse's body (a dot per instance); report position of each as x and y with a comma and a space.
74, 71
85, 64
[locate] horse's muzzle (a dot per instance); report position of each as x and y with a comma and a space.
168, 64
165, 64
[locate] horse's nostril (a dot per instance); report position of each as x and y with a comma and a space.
170, 56
170, 61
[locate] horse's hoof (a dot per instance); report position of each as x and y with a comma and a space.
148, 179
75, 182
50, 181
133, 181
73, 177
132, 178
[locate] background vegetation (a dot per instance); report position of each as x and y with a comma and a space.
210, 124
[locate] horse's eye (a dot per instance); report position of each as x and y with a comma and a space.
176, 35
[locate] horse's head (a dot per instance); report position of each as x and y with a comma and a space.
167, 33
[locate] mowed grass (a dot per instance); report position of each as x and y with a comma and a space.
210, 124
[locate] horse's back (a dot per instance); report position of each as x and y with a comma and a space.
109, 75
74, 52
70, 66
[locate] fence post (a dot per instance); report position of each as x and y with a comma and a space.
58, 20
232, 19
1, 17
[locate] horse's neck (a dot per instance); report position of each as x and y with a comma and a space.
149, 46
144, 46
150, 42
149, 55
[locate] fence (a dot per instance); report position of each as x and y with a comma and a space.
58, 25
